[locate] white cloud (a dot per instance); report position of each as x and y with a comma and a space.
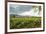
30, 13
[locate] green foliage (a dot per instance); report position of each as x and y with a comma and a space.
24, 22
35, 8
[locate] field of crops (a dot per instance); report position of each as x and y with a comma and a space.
25, 22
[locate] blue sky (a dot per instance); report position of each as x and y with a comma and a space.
17, 9
24, 10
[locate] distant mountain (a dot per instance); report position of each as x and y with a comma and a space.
14, 15
19, 15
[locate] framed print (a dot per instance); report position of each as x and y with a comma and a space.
24, 17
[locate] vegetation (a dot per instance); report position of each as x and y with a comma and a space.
36, 8
24, 22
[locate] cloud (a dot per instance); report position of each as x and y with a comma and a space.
31, 13
17, 9
23, 10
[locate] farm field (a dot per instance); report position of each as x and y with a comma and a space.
25, 22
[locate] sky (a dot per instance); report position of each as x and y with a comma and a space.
17, 9
24, 10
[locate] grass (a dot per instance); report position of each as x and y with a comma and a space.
25, 22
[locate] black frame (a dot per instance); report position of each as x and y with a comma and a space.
24, 2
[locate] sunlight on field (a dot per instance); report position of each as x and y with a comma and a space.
25, 22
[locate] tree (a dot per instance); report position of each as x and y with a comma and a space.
37, 8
